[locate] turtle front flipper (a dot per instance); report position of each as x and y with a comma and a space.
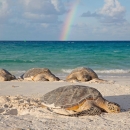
92, 111
72, 80
40, 77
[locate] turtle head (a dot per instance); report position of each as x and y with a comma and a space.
113, 107
57, 79
13, 77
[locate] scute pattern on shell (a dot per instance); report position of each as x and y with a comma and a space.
69, 96
5, 75
35, 71
87, 70
39, 74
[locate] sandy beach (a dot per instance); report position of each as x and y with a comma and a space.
47, 44
21, 108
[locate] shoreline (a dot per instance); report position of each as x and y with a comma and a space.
37, 118
104, 74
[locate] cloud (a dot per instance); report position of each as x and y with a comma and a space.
31, 11
88, 31
4, 11
112, 8
47, 7
38, 7
89, 14
19, 18
59, 6
112, 12
42, 11
40, 20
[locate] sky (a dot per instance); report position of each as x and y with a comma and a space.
65, 20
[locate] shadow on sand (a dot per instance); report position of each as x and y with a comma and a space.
122, 100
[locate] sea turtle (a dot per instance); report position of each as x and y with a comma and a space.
77, 100
5, 75
39, 74
83, 74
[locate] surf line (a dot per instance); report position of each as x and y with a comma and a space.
68, 22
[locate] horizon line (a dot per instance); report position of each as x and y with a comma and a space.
64, 41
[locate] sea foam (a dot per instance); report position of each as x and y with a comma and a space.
118, 71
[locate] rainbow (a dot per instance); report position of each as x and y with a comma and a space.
68, 22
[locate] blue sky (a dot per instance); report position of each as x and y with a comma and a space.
43, 19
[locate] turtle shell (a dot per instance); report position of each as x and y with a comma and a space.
5, 72
69, 96
34, 72
87, 70
6, 75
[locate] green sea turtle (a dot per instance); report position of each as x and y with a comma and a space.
5, 75
78, 100
39, 74
83, 74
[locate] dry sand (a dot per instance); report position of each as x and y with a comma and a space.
20, 107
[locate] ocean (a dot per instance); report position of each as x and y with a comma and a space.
106, 58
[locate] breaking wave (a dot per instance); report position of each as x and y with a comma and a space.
17, 61
66, 70
118, 71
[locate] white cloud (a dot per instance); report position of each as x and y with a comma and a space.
19, 18
47, 7
42, 11
4, 11
112, 8
58, 4
31, 11
112, 12
38, 6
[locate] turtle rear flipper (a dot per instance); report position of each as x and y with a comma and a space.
72, 80
92, 111
97, 80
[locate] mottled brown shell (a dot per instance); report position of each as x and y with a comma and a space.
39, 74
88, 72
69, 96
35, 71
5, 75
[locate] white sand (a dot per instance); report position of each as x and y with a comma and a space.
25, 112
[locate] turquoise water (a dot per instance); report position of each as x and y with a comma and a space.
105, 57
